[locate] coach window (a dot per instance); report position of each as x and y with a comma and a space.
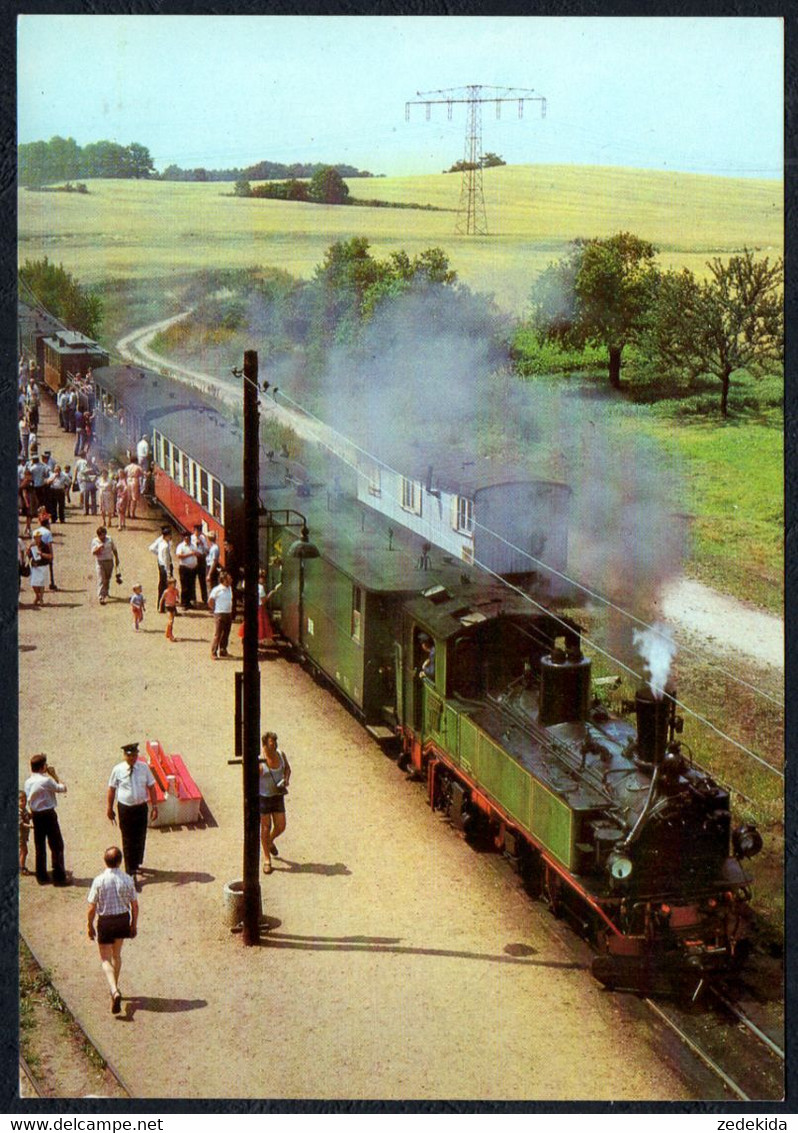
205, 498
167, 457
464, 515
159, 449
357, 612
216, 491
411, 499
192, 479
179, 467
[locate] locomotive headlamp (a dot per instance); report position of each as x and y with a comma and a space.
746, 841
620, 867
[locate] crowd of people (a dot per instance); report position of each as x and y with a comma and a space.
209, 579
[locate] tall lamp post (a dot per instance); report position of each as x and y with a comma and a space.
251, 680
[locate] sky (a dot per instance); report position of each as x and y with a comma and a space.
698, 94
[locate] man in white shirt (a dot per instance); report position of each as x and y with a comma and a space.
220, 603
199, 541
212, 560
131, 786
41, 787
143, 453
162, 548
112, 898
104, 554
187, 569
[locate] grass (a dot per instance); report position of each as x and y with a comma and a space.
129, 230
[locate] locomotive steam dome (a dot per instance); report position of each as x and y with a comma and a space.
564, 687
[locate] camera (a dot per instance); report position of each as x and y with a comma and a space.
119, 577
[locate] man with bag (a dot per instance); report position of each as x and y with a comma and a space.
112, 899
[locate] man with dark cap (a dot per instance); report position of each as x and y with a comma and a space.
131, 785
162, 547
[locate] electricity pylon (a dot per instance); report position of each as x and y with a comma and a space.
471, 219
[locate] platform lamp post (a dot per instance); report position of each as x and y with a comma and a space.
251, 676
302, 549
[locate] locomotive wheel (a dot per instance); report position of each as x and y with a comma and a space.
531, 872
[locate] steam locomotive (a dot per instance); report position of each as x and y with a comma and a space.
484, 687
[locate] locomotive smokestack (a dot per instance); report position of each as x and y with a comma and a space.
654, 714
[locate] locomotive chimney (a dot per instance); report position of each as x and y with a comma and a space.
564, 686
654, 718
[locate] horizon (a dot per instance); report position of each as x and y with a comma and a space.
695, 95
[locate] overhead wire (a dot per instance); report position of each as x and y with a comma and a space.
594, 645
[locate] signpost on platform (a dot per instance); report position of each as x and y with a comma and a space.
251, 678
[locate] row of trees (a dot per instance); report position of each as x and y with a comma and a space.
326, 186
260, 171
61, 294
62, 159
610, 293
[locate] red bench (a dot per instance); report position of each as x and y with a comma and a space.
179, 797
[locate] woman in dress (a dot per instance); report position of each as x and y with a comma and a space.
40, 559
106, 497
275, 771
122, 497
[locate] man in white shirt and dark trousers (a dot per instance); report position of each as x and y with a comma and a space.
199, 541
112, 898
162, 548
187, 569
40, 789
131, 786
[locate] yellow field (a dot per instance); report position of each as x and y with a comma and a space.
124, 229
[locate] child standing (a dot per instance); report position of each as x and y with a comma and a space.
25, 823
168, 606
137, 605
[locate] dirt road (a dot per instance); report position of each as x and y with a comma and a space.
397, 962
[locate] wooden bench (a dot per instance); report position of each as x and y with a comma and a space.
179, 797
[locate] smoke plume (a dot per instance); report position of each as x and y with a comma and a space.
657, 648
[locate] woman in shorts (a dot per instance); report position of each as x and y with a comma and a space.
275, 771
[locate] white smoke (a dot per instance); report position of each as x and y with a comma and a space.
657, 648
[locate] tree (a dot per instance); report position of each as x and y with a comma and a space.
490, 160
63, 296
327, 186
732, 321
599, 294
461, 166
242, 188
139, 162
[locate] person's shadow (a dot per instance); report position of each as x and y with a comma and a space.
335, 869
161, 1006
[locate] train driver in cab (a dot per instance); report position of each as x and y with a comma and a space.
427, 669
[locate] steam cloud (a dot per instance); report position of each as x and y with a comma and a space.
430, 373
657, 648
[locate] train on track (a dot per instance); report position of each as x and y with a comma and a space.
478, 676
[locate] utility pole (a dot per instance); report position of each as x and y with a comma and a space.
251, 681
471, 218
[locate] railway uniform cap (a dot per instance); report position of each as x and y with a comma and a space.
166, 530
129, 749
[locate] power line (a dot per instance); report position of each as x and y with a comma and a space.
594, 645
471, 218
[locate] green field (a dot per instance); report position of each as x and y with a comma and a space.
136, 229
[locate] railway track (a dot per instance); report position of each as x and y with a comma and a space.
747, 1061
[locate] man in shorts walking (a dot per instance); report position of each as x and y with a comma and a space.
112, 899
